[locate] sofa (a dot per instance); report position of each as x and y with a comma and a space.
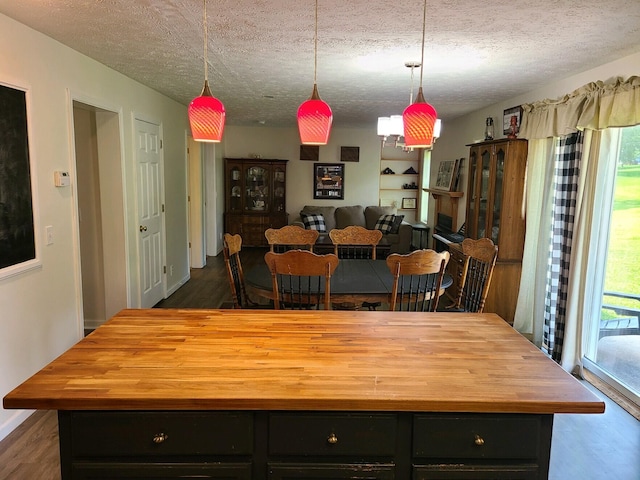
397, 232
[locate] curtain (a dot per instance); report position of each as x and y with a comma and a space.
558, 326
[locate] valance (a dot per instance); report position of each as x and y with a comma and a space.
596, 106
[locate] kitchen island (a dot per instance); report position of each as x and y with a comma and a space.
315, 394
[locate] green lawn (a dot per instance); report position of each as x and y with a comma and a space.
623, 261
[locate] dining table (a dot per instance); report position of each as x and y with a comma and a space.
354, 280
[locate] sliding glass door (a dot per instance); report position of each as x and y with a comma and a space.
613, 343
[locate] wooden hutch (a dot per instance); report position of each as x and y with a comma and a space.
255, 197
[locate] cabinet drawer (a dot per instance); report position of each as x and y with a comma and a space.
129, 434
328, 434
477, 436
476, 472
148, 471
348, 471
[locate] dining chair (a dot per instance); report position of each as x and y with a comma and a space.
290, 237
479, 261
355, 241
301, 280
231, 247
417, 277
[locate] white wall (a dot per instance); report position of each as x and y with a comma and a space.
360, 178
40, 313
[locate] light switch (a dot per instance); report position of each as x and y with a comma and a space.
49, 234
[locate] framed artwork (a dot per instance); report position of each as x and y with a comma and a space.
349, 154
18, 244
445, 174
409, 203
328, 181
309, 152
506, 119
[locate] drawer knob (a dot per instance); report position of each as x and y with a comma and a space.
160, 437
479, 441
332, 439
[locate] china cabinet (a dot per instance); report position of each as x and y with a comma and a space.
255, 197
495, 210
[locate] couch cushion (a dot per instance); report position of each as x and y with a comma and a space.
373, 213
347, 216
313, 221
327, 212
385, 223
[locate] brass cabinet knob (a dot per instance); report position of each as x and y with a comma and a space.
160, 437
332, 439
479, 441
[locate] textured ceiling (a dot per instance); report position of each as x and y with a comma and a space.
478, 52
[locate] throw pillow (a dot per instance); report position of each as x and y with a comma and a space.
312, 221
396, 223
385, 223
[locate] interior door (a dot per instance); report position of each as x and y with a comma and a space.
150, 213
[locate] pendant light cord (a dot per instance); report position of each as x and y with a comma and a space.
204, 22
315, 49
424, 21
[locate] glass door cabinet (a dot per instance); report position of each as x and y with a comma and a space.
255, 197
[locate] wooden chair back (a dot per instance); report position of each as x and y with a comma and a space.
355, 242
290, 237
301, 279
231, 247
417, 277
480, 260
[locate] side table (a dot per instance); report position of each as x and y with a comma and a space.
423, 231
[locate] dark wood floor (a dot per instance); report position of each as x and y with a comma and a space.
584, 447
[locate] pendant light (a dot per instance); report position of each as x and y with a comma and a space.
419, 117
206, 113
314, 115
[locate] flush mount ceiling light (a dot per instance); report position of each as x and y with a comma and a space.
206, 113
420, 117
314, 115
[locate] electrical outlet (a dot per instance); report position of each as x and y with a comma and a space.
49, 234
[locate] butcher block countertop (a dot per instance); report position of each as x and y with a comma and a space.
161, 359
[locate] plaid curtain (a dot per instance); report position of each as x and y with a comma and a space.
568, 157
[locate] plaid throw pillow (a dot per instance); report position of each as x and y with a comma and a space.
385, 223
396, 223
313, 221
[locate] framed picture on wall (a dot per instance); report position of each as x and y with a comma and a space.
328, 181
18, 239
409, 203
309, 152
445, 174
349, 154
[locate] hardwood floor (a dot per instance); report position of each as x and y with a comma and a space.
584, 447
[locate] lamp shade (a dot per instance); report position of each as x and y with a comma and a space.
206, 117
314, 120
419, 120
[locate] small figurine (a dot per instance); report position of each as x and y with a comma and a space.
513, 127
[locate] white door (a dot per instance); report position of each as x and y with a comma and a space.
150, 213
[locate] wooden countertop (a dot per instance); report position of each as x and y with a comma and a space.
163, 359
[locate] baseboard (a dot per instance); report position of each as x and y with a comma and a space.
624, 402
14, 421
176, 286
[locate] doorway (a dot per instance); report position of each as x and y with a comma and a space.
100, 208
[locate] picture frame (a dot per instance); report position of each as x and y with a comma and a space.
349, 154
506, 118
328, 181
409, 203
310, 152
19, 245
446, 171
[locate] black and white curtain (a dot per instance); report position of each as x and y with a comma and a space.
568, 157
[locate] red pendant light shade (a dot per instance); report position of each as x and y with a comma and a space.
419, 119
206, 116
314, 120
